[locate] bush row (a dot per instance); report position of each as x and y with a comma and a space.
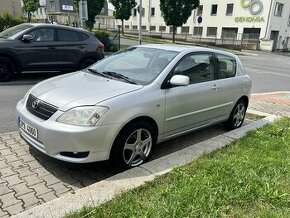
7, 20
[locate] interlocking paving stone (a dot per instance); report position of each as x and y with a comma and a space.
7, 172
15, 209
41, 189
50, 179
30, 199
32, 180
48, 196
5, 152
16, 165
11, 158
23, 172
60, 189
4, 189
3, 213
9, 200
13, 180
21, 189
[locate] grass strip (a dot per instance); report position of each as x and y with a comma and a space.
248, 178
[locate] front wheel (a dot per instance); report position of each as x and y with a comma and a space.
133, 146
7, 69
237, 115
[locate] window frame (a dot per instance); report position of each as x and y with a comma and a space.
212, 7
232, 9
166, 83
199, 10
278, 13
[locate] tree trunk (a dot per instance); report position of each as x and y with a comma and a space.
173, 34
122, 27
29, 16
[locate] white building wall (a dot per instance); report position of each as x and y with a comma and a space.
267, 20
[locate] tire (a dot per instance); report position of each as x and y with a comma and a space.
7, 69
237, 115
133, 146
86, 63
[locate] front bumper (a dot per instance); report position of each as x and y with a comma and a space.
57, 140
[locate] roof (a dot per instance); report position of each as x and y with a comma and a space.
182, 48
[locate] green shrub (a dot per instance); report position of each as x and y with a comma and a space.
7, 20
104, 37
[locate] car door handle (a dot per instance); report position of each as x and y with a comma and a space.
52, 48
81, 47
215, 87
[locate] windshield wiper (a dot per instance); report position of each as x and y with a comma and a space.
119, 76
98, 73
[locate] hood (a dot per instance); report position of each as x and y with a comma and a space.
81, 88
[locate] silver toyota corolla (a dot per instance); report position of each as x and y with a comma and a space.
120, 107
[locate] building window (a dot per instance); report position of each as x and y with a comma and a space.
152, 12
143, 12
199, 10
278, 9
143, 27
197, 31
126, 26
211, 31
289, 20
214, 10
162, 28
134, 27
152, 28
230, 8
185, 29
134, 12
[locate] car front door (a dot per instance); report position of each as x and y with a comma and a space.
197, 104
39, 53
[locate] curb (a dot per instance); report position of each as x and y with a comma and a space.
103, 191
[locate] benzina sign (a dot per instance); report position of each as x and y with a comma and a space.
249, 19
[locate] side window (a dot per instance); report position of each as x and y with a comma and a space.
198, 67
68, 35
42, 35
227, 66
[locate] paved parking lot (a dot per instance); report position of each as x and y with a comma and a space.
28, 178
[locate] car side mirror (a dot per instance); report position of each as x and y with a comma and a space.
179, 80
27, 38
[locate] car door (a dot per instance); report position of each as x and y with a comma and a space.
197, 104
71, 46
39, 53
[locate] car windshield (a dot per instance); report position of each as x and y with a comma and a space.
136, 65
15, 31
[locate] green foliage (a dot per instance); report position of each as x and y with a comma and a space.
94, 8
123, 10
176, 12
104, 37
30, 6
7, 20
248, 178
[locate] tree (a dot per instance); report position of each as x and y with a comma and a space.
176, 12
94, 8
30, 6
123, 10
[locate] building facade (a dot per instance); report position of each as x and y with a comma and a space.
12, 7
267, 21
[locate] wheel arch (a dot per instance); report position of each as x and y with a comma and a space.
13, 59
146, 119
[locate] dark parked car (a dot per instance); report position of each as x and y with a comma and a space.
46, 47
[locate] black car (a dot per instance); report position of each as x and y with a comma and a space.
46, 47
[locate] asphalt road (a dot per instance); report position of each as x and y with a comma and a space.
269, 72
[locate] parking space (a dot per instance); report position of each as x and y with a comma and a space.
29, 178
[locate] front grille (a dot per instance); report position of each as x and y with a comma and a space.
40, 108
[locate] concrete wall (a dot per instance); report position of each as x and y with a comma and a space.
11, 6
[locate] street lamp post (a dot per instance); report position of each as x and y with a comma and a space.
140, 22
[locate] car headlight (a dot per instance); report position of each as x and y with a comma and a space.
83, 116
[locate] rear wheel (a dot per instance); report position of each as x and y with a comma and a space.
86, 63
7, 69
133, 146
237, 116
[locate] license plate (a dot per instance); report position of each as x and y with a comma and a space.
27, 128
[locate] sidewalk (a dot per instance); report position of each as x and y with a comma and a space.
28, 179
277, 103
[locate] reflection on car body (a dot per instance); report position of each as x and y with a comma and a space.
124, 105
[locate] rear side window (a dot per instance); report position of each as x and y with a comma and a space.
69, 35
227, 66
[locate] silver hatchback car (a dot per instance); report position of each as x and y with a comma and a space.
123, 105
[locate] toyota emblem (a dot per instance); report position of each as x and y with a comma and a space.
35, 104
